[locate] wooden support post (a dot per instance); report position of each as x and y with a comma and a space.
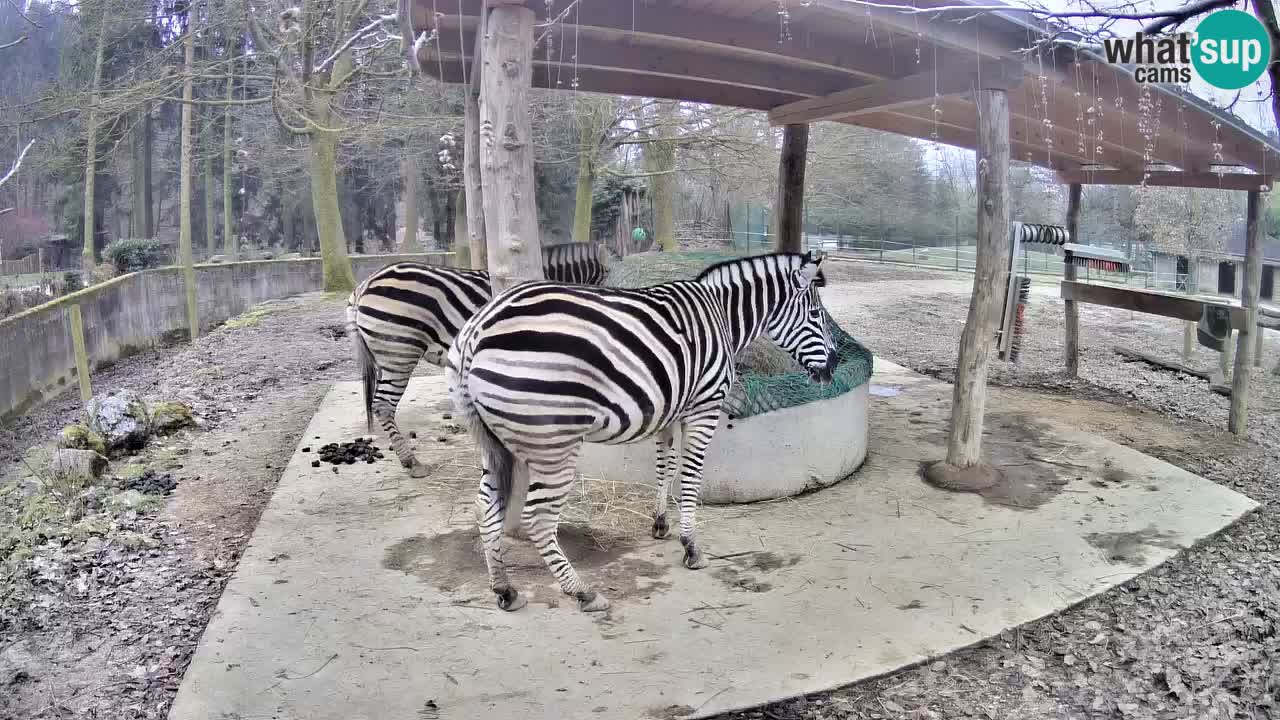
964, 446
1188, 339
1225, 357
81, 352
1069, 273
1249, 288
1257, 348
506, 147
473, 195
790, 209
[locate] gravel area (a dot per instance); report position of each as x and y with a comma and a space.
113, 628
96, 628
1197, 637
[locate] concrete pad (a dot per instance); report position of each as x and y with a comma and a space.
361, 594
762, 457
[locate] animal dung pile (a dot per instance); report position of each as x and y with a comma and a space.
348, 453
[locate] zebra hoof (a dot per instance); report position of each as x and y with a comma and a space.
418, 470
510, 600
694, 559
591, 601
660, 526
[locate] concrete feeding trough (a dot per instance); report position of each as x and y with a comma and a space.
776, 454
782, 434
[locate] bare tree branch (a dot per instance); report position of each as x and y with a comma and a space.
22, 14
1267, 13
16, 163
19, 41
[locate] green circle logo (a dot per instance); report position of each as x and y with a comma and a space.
1232, 49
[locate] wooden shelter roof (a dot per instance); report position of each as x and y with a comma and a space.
876, 67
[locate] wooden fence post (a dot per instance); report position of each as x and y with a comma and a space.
1249, 287
506, 147
474, 196
1069, 273
791, 166
964, 446
81, 352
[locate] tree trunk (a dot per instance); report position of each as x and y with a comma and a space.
450, 219
660, 157
287, 212
461, 238
338, 276
412, 193
229, 240
90, 257
791, 166
184, 185
210, 210
506, 151
138, 205
148, 138
477, 238
964, 446
1255, 231
586, 180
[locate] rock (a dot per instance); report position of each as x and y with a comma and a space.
18, 663
291, 256
121, 419
84, 466
217, 259
79, 437
168, 417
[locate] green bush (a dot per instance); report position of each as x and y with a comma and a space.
133, 254
71, 282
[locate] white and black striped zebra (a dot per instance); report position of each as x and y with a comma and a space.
546, 367
408, 310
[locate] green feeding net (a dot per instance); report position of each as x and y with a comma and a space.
769, 378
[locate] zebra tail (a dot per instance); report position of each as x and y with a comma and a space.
511, 475
369, 373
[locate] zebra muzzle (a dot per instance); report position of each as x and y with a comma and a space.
824, 373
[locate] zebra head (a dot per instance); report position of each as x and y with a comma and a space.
799, 325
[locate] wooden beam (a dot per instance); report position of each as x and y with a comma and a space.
791, 166
708, 31
646, 55
506, 148
615, 82
1168, 178
1069, 273
82, 354
1250, 285
1180, 307
953, 130
964, 445
900, 92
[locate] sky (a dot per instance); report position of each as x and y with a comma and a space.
1254, 108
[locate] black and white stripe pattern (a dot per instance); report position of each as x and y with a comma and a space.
408, 310
546, 367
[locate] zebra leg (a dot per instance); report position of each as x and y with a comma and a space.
391, 386
548, 492
664, 467
490, 511
696, 436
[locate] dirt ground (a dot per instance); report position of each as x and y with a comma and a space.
106, 632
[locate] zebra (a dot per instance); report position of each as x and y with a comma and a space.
408, 310
545, 367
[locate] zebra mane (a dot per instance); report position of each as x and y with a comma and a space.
818, 281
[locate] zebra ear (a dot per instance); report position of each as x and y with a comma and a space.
806, 274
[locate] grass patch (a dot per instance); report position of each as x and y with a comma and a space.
249, 319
